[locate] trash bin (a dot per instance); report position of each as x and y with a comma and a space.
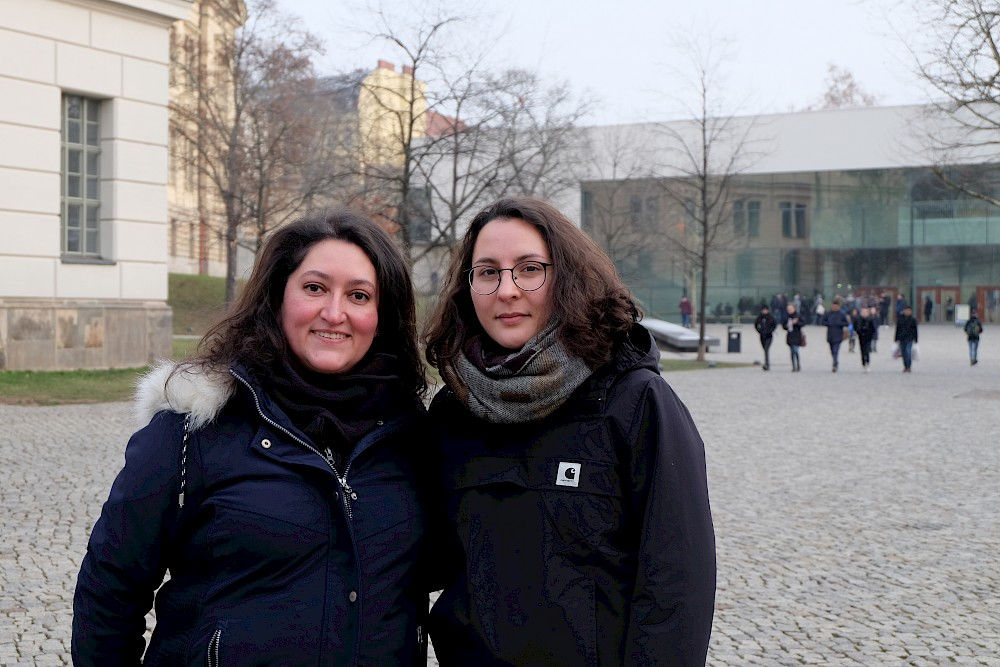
734, 338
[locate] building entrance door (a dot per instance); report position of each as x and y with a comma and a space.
988, 303
943, 300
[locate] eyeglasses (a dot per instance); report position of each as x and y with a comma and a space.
528, 276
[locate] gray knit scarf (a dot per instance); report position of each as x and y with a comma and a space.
519, 387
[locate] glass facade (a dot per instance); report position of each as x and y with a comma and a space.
866, 233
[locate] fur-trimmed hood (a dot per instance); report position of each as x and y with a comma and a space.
192, 389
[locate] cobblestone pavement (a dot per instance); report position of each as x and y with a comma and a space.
857, 515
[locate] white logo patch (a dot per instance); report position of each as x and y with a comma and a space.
568, 475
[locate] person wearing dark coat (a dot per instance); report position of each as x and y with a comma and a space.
765, 325
574, 477
973, 329
836, 323
864, 328
793, 325
906, 336
876, 323
276, 478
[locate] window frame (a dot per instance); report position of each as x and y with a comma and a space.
80, 189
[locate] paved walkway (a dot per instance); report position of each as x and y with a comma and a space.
857, 516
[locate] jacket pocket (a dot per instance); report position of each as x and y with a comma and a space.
581, 499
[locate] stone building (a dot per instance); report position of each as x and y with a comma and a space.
83, 173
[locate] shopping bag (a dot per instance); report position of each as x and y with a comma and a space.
896, 352
803, 343
915, 352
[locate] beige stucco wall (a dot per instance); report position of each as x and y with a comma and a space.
116, 52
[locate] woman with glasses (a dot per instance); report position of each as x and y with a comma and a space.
579, 529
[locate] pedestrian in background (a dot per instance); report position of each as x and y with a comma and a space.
836, 330
876, 323
276, 478
765, 324
686, 310
578, 523
973, 328
819, 311
793, 325
906, 336
864, 328
928, 308
852, 317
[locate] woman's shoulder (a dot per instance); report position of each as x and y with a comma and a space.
184, 389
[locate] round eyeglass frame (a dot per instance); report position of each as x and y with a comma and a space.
545, 276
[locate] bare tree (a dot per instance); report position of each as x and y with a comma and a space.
253, 119
396, 112
843, 90
508, 134
962, 68
619, 168
706, 156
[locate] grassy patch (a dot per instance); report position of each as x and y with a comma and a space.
669, 365
197, 301
57, 387
90, 386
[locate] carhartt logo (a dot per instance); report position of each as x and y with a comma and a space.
568, 475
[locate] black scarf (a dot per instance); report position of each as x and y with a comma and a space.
336, 411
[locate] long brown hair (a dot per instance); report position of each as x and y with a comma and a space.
251, 330
593, 306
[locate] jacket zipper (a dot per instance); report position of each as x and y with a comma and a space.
348, 493
213, 648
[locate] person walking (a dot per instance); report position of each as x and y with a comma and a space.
906, 336
900, 306
578, 528
765, 324
852, 317
973, 329
277, 475
819, 310
876, 323
836, 330
686, 311
928, 308
794, 338
864, 327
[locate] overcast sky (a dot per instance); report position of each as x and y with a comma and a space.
624, 53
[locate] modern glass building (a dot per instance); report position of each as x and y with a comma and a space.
878, 228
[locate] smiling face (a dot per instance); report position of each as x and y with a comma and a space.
511, 316
329, 314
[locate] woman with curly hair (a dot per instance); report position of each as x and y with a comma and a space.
274, 475
579, 529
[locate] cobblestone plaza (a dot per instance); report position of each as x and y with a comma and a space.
857, 515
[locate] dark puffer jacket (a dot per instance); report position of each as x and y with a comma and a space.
272, 560
583, 538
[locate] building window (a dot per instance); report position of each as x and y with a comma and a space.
746, 217
635, 209
81, 175
753, 218
587, 211
793, 220
739, 218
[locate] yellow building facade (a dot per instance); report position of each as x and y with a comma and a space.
198, 52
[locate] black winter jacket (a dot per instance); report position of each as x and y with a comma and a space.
583, 538
272, 560
906, 329
835, 322
765, 324
793, 325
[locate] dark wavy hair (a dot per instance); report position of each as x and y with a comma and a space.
251, 332
593, 306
